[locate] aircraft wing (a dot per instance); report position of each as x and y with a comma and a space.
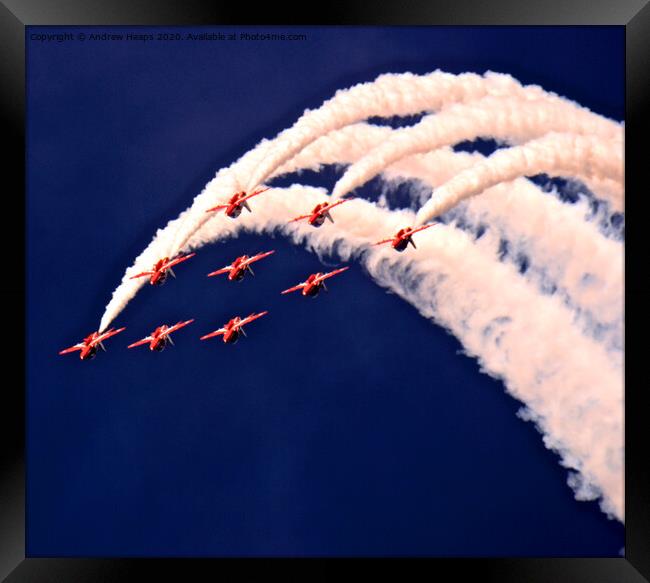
141, 342
106, 335
337, 203
330, 274
178, 326
383, 241
178, 260
301, 218
256, 258
249, 319
294, 288
423, 227
220, 271
74, 348
254, 193
219, 207
142, 274
213, 334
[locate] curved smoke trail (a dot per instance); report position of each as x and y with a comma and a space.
406, 94
349, 144
567, 154
584, 266
395, 95
506, 119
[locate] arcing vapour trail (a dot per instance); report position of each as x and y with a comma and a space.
569, 154
570, 383
408, 94
508, 119
566, 380
349, 144
391, 95
586, 267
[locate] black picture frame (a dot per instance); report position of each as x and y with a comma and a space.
15, 15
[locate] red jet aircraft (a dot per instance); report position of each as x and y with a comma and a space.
320, 212
314, 283
158, 339
237, 203
233, 328
403, 237
89, 344
160, 270
238, 268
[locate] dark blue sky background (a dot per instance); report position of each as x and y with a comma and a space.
344, 425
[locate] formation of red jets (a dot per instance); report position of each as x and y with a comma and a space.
234, 328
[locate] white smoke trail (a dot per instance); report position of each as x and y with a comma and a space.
566, 380
398, 95
349, 144
569, 154
507, 119
388, 95
587, 267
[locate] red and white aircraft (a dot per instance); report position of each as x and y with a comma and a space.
89, 344
314, 283
158, 274
159, 338
320, 212
238, 268
403, 237
237, 203
234, 328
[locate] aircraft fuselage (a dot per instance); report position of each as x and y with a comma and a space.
159, 278
231, 336
233, 211
89, 354
317, 221
159, 344
312, 289
237, 274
